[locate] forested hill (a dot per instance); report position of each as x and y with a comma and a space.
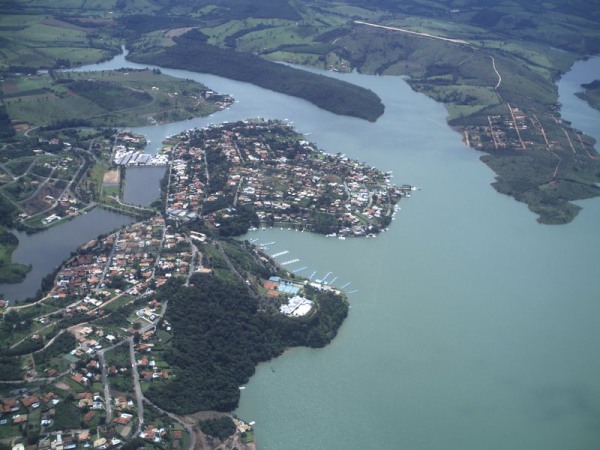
192, 52
220, 336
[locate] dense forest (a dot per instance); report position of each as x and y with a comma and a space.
191, 52
220, 335
6, 128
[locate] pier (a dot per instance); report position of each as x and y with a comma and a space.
291, 261
300, 269
285, 252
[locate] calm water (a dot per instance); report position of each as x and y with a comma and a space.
473, 326
142, 185
47, 250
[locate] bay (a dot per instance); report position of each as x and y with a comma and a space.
472, 325
46, 250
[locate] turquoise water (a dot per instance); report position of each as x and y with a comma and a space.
473, 326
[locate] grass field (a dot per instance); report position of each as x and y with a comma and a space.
107, 98
34, 41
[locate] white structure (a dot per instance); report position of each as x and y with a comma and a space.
297, 307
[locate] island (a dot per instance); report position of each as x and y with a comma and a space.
145, 336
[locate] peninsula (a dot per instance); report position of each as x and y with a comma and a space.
238, 175
145, 335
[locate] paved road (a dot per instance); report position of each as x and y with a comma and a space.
139, 395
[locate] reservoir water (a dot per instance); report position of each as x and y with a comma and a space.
472, 327
47, 250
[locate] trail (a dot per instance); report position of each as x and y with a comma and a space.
415, 33
512, 114
499, 78
569, 139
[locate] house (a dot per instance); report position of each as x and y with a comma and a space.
32, 401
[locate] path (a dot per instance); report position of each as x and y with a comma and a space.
415, 33
512, 114
105, 385
194, 257
139, 396
569, 139
499, 78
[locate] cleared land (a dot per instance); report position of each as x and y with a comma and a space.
105, 98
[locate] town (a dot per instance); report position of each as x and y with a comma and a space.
80, 361
89, 348
268, 169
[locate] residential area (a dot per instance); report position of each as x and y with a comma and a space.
266, 167
80, 358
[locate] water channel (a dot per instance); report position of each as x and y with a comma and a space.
472, 326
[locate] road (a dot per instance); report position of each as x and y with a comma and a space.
416, 33
139, 395
194, 257
497, 73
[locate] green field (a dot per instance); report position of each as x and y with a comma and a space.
107, 98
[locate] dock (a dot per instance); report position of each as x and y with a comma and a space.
291, 261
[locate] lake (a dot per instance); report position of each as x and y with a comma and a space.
472, 327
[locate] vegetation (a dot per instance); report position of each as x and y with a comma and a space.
106, 98
591, 94
10, 368
64, 343
220, 335
192, 52
221, 427
9, 272
67, 417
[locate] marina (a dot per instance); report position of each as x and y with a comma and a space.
131, 158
